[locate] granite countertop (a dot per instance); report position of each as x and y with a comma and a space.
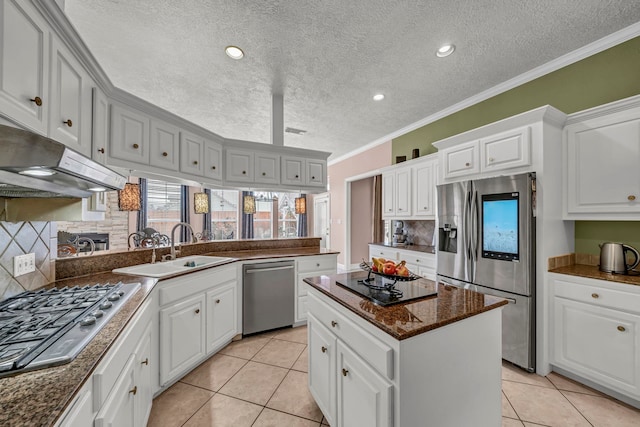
418, 248
402, 321
592, 272
38, 398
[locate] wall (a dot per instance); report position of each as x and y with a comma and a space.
370, 160
589, 234
605, 77
18, 238
362, 215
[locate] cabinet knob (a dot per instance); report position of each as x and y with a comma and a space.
424, 208
631, 197
621, 328
334, 323
467, 164
101, 150
318, 265
213, 167
264, 174
313, 177
37, 100
324, 349
344, 372
165, 154
136, 146
217, 301
197, 311
594, 295
399, 209
134, 390
68, 123
244, 172
296, 176
145, 362
490, 159
195, 162
417, 260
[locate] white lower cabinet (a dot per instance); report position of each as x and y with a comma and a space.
119, 408
596, 332
221, 315
311, 266
80, 412
322, 362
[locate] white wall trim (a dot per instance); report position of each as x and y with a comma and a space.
579, 54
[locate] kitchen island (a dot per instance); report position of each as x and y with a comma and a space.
435, 361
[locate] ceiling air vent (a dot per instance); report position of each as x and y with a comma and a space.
296, 131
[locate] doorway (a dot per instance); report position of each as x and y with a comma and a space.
321, 220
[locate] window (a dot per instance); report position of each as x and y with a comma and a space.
163, 205
287, 217
275, 215
224, 214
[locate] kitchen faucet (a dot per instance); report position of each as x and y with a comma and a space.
173, 253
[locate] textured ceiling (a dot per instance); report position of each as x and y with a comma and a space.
329, 57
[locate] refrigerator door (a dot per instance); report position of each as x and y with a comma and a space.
453, 244
502, 234
518, 324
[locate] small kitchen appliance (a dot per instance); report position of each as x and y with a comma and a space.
399, 236
613, 258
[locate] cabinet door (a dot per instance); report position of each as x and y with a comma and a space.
267, 168
603, 174
316, 173
598, 343
424, 190
144, 366
461, 160
506, 150
364, 397
80, 413
213, 160
119, 408
322, 368
239, 166
129, 135
191, 154
403, 192
24, 69
163, 150
221, 315
388, 195
182, 337
100, 126
293, 169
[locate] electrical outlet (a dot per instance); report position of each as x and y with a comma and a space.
23, 264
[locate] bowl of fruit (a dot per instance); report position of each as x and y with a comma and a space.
389, 269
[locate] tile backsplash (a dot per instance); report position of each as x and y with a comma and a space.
19, 238
418, 232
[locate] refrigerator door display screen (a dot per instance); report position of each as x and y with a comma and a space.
500, 226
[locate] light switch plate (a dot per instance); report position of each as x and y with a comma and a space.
23, 264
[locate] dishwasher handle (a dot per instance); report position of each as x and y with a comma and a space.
259, 270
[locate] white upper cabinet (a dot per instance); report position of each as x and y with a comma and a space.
388, 194
213, 160
403, 192
191, 154
293, 170
129, 135
239, 166
506, 150
316, 172
408, 189
602, 179
24, 70
462, 160
100, 126
267, 168
424, 188
164, 147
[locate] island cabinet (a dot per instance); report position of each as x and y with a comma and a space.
359, 374
596, 333
198, 316
306, 267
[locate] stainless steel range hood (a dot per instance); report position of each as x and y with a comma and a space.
34, 166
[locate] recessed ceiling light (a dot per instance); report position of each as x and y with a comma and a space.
378, 97
445, 50
37, 172
234, 52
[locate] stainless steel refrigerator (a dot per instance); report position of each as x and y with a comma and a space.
486, 242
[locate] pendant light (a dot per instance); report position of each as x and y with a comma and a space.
249, 204
129, 197
301, 205
201, 203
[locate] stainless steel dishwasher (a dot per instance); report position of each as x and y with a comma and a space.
268, 296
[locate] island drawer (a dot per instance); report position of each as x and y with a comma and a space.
314, 264
376, 353
597, 295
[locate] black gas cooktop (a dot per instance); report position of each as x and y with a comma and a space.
385, 293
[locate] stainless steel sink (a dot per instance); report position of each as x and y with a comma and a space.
181, 265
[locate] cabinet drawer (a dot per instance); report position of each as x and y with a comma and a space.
382, 252
376, 353
316, 264
180, 287
303, 287
598, 296
419, 259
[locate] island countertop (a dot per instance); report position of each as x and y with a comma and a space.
406, 320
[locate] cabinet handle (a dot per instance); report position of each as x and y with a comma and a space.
197, 311
136, 146
134, 390
165, 154
217, 301
631, 197
195, 162
324, 349
244, 172
334, 323
344, 372
145, 362
213, 167
37, 100
399, 209
68, 123
467, 164
621, 328
318, 265
594, 295
101, 150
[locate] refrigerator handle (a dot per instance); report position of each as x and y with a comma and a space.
474, 226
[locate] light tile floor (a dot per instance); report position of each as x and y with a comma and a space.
261, 381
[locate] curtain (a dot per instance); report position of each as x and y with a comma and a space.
247, 219
141, 222
206, 228
378, 223
185, 235
302, 221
